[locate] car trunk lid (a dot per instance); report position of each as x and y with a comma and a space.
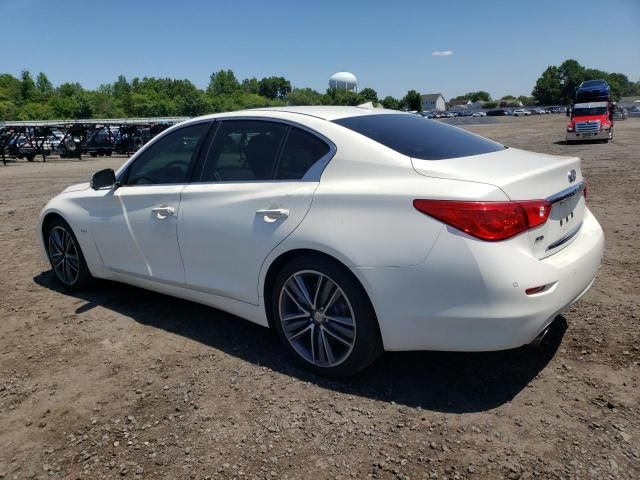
523, 175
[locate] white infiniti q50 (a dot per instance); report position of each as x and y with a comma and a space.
349, 231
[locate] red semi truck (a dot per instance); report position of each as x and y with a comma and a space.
590, 121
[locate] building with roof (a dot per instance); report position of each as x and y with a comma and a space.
433, 101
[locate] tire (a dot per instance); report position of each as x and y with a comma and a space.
62, 247
339, 343
108, 153
93, 154
30, 157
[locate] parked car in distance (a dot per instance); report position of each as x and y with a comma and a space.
497, 112
521, 112
274, 215
620, 113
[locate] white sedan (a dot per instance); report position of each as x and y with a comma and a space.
349, 231
521, 112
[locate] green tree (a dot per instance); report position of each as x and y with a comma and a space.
250, 85
44, 86
339, 96
223, 83
28, 90
508, 97
571, 75
305, 96
390, 103
548, 89
369, 94
480, 95
526, 101
412, 101
274, 87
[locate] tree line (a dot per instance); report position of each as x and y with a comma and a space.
26, 98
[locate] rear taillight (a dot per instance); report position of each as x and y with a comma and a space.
491, 221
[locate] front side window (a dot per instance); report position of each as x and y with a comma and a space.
170, 159
243, 150
418, 137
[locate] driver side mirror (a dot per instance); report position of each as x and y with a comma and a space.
568, 112
103, 179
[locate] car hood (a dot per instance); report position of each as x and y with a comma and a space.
77, 187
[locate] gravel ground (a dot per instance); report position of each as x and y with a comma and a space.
119, 382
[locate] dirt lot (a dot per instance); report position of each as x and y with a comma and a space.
118, 382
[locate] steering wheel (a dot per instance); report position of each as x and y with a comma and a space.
136, 180
177, 163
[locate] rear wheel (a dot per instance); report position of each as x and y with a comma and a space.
65, 256
324, 318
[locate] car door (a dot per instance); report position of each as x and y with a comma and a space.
135, 226
256, 185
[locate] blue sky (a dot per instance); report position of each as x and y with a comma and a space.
498, 46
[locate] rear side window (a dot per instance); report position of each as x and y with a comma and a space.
301, 151
418, 137
243, 150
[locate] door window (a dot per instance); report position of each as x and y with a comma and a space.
243, 150
170, 159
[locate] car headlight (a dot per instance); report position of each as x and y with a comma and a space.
569, 128
606, 126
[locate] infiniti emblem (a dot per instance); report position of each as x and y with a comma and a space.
572, 176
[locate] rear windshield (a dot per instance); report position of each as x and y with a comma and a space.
592, 83
418, 137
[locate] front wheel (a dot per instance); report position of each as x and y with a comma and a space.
324, 318
65, 256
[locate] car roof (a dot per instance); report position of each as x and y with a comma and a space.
326, 112
323, 112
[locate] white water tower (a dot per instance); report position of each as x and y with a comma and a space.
344, 81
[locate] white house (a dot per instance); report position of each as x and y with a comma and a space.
433, 101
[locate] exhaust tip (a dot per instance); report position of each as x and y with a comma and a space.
538, 340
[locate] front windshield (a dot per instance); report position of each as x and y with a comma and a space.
583, 112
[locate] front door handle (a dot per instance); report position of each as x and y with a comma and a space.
272, 214
163, 212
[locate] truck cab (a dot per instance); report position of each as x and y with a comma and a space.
590, 121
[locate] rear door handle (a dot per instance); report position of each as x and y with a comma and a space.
163, 212
272, 214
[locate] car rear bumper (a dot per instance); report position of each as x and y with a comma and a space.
600, 135
470, 295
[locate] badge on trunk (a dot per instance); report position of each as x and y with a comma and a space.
572, 176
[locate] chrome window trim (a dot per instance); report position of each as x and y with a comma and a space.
312, 175
566, 193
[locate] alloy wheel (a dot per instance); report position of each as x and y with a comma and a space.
63, 254
317, 318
